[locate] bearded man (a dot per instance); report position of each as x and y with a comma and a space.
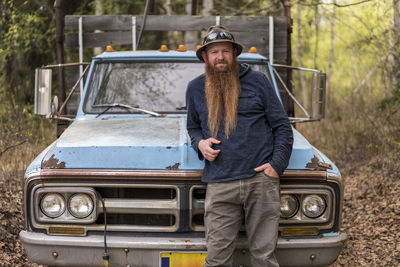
238, 125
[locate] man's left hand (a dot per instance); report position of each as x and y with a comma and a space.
267, 168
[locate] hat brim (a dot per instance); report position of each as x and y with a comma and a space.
237, 46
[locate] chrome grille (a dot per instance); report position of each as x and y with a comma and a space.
163, 207
151, 206
129, 207
197, 197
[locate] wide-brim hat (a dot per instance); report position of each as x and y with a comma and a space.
218, 34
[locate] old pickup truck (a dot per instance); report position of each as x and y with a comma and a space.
121, 186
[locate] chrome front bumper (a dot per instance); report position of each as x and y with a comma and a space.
145, 251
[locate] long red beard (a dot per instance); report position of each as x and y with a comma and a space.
222, 95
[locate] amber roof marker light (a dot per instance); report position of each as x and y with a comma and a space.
253, 49
163, 48
181, 48
109, 48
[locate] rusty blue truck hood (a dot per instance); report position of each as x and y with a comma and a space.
145, 143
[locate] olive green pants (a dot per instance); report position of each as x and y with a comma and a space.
257, 199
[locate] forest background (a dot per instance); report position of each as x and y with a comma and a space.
356, 42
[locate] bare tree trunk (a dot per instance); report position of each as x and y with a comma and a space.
316, 37
191, 38
208, 6
303, 83
396, 52
59, 20
331, 54
98, 11
170, 12
354, 58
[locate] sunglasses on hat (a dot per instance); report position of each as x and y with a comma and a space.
218, 36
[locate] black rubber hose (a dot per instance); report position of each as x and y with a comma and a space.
106, 257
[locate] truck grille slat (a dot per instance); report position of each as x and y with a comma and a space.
145, 206
140, 222
142, 207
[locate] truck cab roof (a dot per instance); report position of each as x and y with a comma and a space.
169, 55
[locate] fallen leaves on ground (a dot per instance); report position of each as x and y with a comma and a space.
371, 214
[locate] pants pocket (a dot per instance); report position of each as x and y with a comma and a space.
270, 177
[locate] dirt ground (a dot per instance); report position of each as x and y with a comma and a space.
371, 216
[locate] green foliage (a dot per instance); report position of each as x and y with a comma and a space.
19, 126
248, 8
356, 131
27, 43
119, 7
363, 116
362, 44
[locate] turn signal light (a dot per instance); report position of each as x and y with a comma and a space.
77, 231
253, 49
181, 48
163, 48
298, 231
197, 47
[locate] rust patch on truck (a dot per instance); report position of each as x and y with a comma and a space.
174, 167
53, 163
317, 165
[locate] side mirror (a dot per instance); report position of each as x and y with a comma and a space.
318, 95
43, 91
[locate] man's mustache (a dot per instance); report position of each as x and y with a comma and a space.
222, 61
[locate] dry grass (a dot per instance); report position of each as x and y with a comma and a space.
20, 142
356, 131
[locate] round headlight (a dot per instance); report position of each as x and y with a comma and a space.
289, 206
313, 206
52, 205
80, 205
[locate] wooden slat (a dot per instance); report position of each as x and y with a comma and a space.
261, 41
103, 22
172, 23
153, 22
91, 39
253, 24
248, 39
178, 23
249, 31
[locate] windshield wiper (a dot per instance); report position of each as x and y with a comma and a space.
181, 108
113, 105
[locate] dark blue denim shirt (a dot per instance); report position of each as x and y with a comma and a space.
263, 132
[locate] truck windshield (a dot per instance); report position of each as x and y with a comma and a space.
153, 86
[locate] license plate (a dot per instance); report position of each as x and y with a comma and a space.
182, 259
